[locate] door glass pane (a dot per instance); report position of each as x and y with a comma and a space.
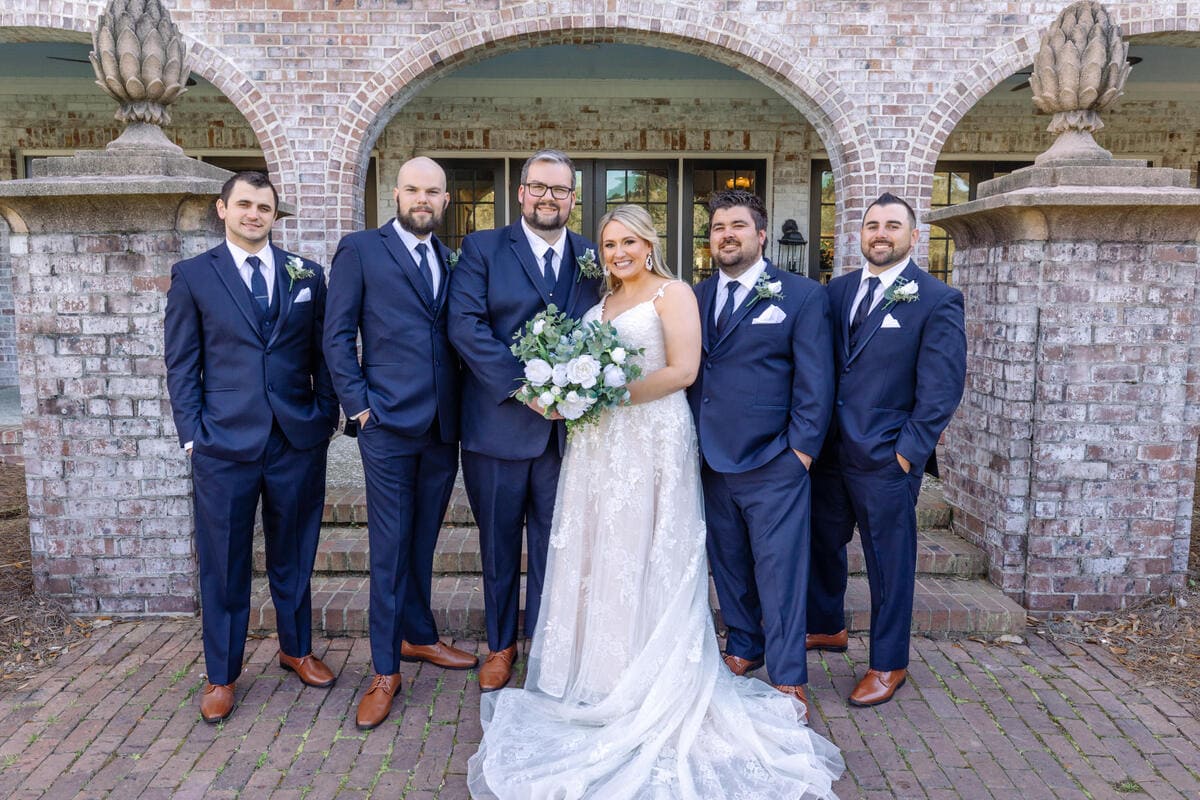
472, 192
707, 178
575, 221
647, 188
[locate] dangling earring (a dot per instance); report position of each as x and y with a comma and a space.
649, 262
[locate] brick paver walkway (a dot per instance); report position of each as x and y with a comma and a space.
118, 718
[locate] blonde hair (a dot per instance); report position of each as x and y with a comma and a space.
639, 223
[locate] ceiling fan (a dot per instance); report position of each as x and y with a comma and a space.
1130, 60
190, 81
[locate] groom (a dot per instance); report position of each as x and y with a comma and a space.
511, 454
762, 402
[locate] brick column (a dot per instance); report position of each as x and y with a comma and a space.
1072, 460
92, 242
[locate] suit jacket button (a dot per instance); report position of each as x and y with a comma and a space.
706, 399
841, 403
270, 387
847, 369
708, 365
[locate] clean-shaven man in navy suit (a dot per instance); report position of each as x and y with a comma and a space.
900, 353
254, 408
389, 286
762, 402
511, 454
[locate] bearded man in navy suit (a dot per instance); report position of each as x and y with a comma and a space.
761, 401
389, 287
511, 454
900, 350
254, 408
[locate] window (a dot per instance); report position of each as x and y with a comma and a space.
701, 179
475, 189
822, 218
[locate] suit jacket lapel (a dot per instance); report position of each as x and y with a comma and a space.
742, 310
405, 262
524, 254
285, 290
876, 317
227, 271
847, 304
442, 253
707, 293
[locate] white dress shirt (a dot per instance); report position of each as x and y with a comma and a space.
745, 282
266, 255
886, 279
540, 246
411, 240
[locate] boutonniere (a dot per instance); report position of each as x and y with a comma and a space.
765, 289
452, 259
296, 271
588, 267
901, 291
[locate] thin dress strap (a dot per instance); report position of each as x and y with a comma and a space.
662, 289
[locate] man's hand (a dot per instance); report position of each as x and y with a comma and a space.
905, 464
805, 459
362, 418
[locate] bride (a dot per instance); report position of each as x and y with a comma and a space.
626, 695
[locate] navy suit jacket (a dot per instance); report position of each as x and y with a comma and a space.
898, 389
408, 373
764, 388
496, 287
223, 374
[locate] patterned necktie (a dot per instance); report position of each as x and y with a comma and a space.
727, 309
258, 284
423, 266
864, 308
548, 270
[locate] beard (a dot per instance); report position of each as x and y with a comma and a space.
737, 261
542, 219
416, 226
892, 255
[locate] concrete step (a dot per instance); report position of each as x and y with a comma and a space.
346, 505
943, 606
343, 550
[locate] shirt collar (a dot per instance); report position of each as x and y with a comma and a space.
265, 255
747, 279
410, 239
886, 278
540, 245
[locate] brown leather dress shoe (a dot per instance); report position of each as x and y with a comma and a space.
376, 704
831, 642
798, 693
740, 666
439, 654
216, 703
309, 669
877, 687
497, 669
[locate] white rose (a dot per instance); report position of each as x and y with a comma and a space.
906, 289
614, 376
546, 399
560, 375
775, 287
573, 406
556, 390
538, 327
583, 370
618, 355
538, 371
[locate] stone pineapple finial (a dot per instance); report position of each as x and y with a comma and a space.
1079, 71
141, 62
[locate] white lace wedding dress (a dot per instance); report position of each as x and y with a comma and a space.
626, 695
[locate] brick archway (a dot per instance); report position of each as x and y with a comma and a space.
76, 21
668, 25
949, 109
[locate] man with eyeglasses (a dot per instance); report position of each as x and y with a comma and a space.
510, 453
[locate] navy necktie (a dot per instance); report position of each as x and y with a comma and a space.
423, 265
548, 273
864, 308
727, 309
258, 284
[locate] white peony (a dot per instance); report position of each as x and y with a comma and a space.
538, 371
618, 355
583, 370
560, 375
546, 399
574, 405
614, 376
538, 327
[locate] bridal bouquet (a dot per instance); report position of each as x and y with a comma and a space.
577, 369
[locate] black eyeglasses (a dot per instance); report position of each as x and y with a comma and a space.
540, 189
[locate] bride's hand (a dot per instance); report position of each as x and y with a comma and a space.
537, 408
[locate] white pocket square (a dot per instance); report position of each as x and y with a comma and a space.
304, 296
890, 322
772, 315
